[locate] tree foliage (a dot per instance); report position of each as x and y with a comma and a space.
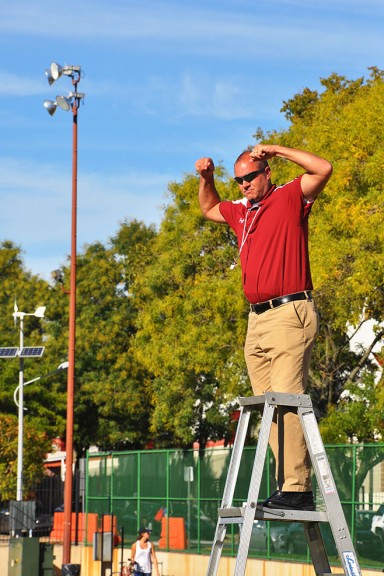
190, 325
36, 446
112, 390
29, 292
357, 419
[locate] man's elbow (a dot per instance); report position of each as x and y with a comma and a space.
328, 170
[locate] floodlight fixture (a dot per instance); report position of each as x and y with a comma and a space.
56, 71
50, 106
58, 275
63, 102
49, 77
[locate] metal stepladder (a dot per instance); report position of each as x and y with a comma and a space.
245, 516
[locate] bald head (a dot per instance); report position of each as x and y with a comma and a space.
245, 158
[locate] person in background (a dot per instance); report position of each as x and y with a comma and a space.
143, 555
271, 225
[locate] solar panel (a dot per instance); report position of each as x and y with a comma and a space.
8, 352
32, 351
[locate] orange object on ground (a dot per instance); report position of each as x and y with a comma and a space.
173, 535
87, 526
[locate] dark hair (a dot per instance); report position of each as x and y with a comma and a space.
143, 531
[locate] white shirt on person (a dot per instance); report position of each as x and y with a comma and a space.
143, 558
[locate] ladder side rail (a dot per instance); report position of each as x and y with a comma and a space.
237, 452
329, 492
229, 489
317, 548
254, 488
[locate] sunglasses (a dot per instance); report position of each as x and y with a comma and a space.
249, 177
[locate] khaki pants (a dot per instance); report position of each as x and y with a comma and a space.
277, 352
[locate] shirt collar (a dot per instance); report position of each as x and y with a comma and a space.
256, 205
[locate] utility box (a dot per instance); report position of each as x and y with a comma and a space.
30, 557
24, 554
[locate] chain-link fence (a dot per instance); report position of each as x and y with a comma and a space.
177, 493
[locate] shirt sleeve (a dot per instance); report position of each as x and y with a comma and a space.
292, 193
230, 212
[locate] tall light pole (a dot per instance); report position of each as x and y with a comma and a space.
72, 101
23, 353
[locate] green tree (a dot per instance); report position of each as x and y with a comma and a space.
36, 446
190, 325
112, 400
29, 291
112, 392
356, 419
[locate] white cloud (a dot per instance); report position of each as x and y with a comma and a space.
217, 98
36, 212
204, 96
230, 28
190, 95
18, 85
121, 19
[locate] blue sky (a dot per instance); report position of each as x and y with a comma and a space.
166, 81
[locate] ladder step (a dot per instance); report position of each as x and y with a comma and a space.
276, 399
235, 515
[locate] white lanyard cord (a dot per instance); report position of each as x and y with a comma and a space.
246, 234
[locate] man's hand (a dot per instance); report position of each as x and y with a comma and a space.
317, 170
263, 152
208, 197
205, 167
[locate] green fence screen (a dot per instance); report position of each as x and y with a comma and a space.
177, 493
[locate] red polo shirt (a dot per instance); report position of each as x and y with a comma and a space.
273, 242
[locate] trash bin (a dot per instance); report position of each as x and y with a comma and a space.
70, 570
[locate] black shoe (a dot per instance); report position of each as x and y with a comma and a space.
265, 502
290, 500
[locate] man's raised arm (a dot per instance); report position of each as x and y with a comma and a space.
208, 197
317, 170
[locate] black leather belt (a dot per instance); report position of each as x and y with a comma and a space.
276, 302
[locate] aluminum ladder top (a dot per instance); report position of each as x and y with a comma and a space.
246, 515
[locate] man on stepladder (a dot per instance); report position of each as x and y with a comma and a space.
271, 225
